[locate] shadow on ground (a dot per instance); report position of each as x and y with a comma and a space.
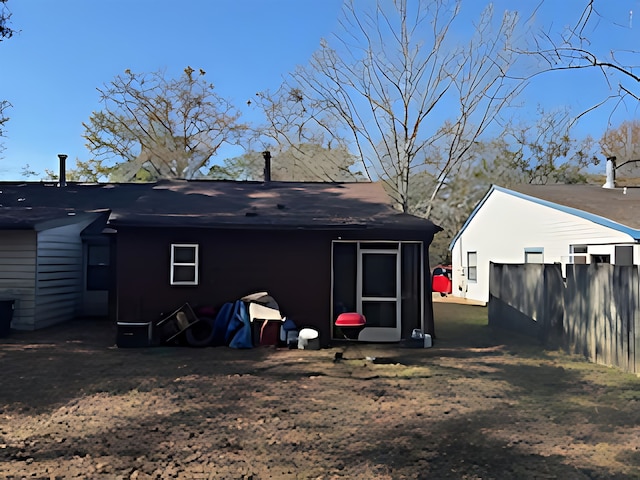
479, 404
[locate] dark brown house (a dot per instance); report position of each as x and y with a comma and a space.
318, 248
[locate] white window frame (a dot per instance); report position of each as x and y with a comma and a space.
578, 254
193, 264
531, 253
472, 278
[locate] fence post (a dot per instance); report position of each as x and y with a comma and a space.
634, 323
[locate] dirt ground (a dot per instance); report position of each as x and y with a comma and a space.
479, 404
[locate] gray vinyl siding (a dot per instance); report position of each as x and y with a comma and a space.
59, 275
18, 273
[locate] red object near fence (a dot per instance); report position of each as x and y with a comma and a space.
441, 280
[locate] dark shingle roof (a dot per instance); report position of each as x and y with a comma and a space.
210, 203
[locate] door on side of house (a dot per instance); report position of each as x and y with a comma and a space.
381, 280
97, 264
378, 287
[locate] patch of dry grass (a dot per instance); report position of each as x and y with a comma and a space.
480, 404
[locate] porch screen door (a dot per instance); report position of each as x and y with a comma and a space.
379, 293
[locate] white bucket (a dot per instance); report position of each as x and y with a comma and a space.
308, 339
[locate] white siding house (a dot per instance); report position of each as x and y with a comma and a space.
42, 271
544, 224
55, 254
59, 274
18, 273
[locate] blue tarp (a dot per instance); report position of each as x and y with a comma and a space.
240, 327
232, 326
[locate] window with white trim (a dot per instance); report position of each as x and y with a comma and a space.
184, 264
533, 255
578, 254
472, 266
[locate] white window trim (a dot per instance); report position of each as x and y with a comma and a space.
174, 264
533, 251
474, 278
577, 251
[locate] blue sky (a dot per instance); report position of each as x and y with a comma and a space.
67, 48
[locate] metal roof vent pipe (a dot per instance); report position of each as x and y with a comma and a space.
267, 165
611, 173
63, 170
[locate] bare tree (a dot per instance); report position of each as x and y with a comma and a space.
5, 32
623, 144
304, 138
396, 86
166, 127
622, 141
546, 152
4, 105
5, 17
299, 163
574, 48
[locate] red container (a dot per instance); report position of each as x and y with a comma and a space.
441, 280
351, 319
351, 324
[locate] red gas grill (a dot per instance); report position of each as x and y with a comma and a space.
350, 324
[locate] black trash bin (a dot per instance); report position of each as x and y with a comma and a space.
6, 315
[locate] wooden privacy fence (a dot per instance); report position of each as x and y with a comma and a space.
593, 312
527, 298
602, 320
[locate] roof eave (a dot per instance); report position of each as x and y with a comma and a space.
632, 232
